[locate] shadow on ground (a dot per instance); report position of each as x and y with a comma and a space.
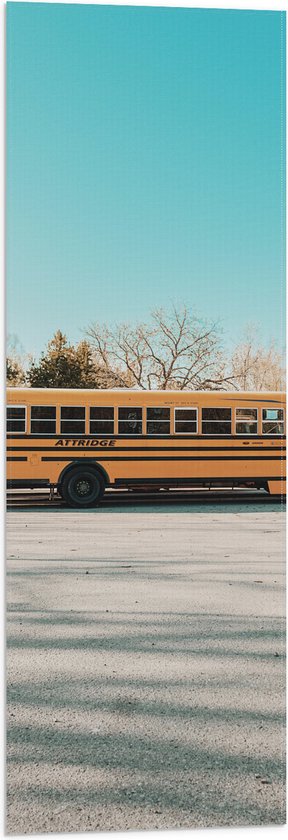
148, 743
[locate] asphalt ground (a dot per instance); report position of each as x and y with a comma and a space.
145, 667
34, 499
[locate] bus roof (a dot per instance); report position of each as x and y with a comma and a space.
38, 396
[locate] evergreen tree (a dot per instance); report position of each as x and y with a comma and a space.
89, 370
63, 366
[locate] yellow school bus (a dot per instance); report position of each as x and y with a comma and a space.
82, 441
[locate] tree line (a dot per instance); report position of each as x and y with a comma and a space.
174, 350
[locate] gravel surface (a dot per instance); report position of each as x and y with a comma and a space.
145, 669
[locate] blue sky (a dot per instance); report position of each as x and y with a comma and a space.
145, 158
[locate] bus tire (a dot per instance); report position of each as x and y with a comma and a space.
82, 487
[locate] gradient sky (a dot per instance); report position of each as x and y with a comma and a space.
144, 166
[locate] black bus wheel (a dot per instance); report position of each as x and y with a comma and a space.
82, 487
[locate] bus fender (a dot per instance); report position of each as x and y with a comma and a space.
82, 462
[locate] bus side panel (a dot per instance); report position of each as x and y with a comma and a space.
277, 488
35, 467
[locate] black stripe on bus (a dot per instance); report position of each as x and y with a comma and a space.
119, 482
242, 399
165, 458
14, 458
148, 448
179, 482
27, 483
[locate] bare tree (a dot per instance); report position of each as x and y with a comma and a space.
256, 368
15, 362
174, 350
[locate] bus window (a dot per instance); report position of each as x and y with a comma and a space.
73, 420
246, 421
216, 421
185, 421
43, 419
101, 420
130, 421
272, 421
16, 418
158, 421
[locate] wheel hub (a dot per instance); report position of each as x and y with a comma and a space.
83, 487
